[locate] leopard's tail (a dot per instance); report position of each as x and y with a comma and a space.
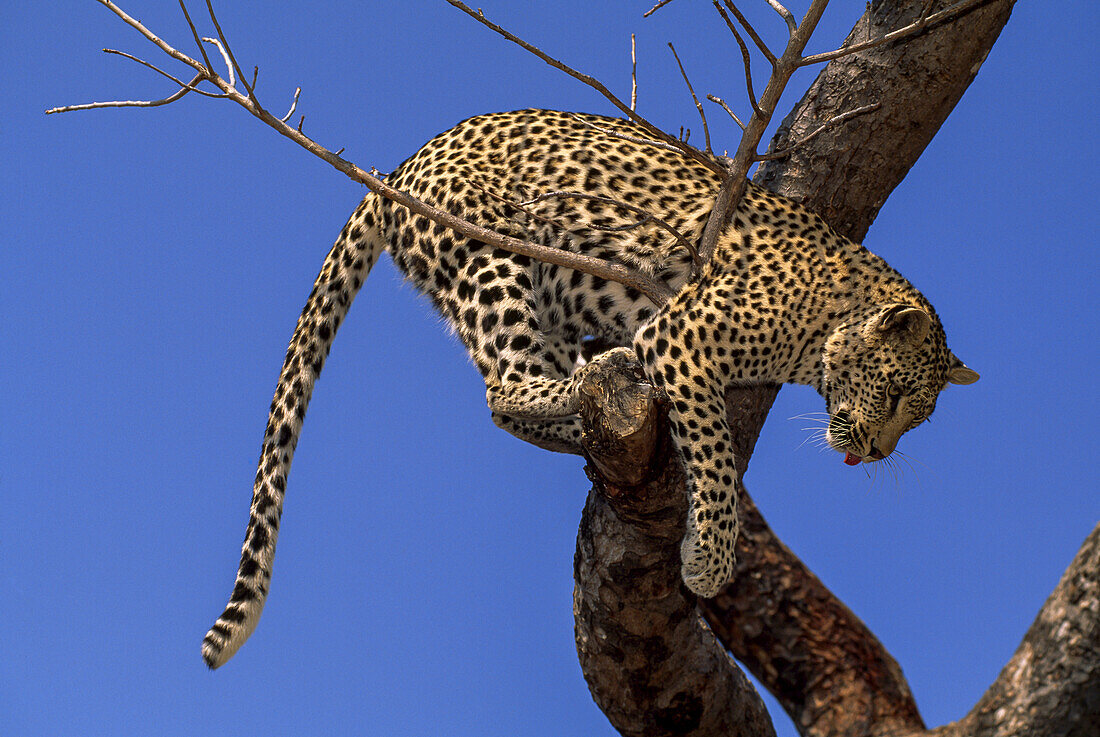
344, 270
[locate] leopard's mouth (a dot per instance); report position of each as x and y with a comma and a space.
844, 435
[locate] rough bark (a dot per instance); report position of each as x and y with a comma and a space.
652, 665
1051, 686
828, 671
848, 171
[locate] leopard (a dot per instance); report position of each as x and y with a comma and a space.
783, 299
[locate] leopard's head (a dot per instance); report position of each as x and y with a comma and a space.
883, 371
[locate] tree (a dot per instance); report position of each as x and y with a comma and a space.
850, 210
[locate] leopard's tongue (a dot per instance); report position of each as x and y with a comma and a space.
852, 459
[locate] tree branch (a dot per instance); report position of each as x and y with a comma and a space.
633, 75
738, 166
767, 52
923, 22
729, 112
1050, 686
829, 672
835, 120
744, 57
657, 291
651, 665
188, 87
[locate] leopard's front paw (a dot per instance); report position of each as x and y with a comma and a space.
706, 568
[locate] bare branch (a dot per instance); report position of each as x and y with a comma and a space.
746, 59
720, 101
595, 84
293, 105
785, 14
225, 58
655, 8
752, 32
131, 103
136, 25
651, 665
633, 76
198, 41
835, 120
158, 70
657, 291
925, 21
737, 167
706, 128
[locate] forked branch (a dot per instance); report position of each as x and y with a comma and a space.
737, 166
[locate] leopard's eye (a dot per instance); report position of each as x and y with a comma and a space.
893, 395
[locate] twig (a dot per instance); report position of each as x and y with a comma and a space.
158, 70
626, 136
195, 35
218, 27
131, 103
746, 59
225, 58
767, 52
785, 14
647, 217
518, 206
633, 76
293, 105
655, 8
720, 101
835, 120
699, 107
592, 82
925, 21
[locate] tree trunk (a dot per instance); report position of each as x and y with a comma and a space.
652, 667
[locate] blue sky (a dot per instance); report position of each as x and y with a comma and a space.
154, 264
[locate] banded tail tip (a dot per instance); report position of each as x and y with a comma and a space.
227, 635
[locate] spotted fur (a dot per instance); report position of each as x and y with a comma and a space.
785, 299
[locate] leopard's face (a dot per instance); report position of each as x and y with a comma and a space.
882, 375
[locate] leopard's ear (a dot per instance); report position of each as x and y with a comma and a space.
910, 324
958, 373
